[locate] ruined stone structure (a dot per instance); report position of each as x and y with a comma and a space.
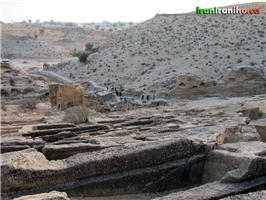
238, 81
65, 96
17, 87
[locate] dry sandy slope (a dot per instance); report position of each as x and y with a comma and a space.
149, 56
18, 40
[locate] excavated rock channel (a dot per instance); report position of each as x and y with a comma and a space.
147, 154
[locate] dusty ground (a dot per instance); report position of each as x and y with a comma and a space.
27, 41
27, 65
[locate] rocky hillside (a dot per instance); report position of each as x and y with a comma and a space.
37, 41
149, 56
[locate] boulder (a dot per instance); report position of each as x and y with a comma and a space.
260, 126
106, 96
252, 113
235, 162
54, 195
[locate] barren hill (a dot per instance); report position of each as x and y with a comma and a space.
37, 41
149, 56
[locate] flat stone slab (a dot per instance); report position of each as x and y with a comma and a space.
31, 170
216, 190
249, 196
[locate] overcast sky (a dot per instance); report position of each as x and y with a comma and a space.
99, 10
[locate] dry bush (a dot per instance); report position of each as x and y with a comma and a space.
77, 114
29, 103
3, 107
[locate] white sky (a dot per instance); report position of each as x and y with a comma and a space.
99, 10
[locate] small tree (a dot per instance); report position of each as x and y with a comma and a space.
77, 54
29, 103
12, 81
36, 36
41, 31
97, 26
89, 46
121, 88
83, 57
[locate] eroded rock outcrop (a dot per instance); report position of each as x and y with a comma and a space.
19, 88
238, 81
216, 190
235, 162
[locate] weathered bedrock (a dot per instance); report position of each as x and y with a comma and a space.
122, 169
152, 151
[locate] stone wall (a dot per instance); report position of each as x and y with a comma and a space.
65, 96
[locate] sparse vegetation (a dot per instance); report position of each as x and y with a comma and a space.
12, 82
77, 53
89, 46
29, 103
239, 60
121, 88
3, 107
46, 64
252, 63
83, 57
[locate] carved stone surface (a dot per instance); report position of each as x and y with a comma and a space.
238, 81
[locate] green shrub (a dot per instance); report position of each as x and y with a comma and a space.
77, 114
252, 63
77, 54
239, 60
12, 81
89, 46
121, 88
83, 57
46, 64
